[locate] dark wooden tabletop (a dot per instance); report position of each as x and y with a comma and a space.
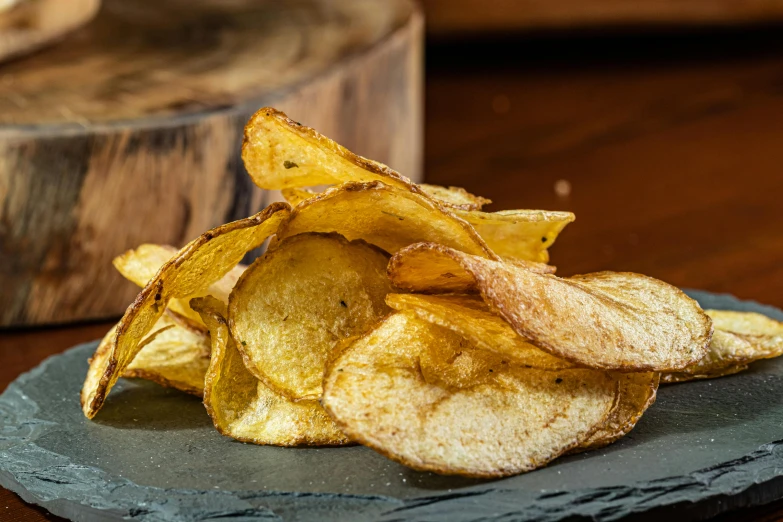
668, 148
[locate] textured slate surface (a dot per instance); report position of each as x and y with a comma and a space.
152, 455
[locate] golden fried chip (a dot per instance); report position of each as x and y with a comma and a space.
454, 197
514, 421
294, 196
637, 393
280, 153
199, 264
746, 323
178, 356
140, 265
422, 270
471, 318
243, 408
518, 234
739, 339
513, 234
292, 305
677, 377
614, 321
384, 216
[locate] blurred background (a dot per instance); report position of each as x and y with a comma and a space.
658, 122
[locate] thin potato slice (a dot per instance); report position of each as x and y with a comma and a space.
280, 153
614, 321
177, 357
293, 304
199, 264
454, 197
518, 234
746, 323
243, 408
451, 197
739, 339
677, 377
140, 265
384, 216
513, 234
637, 393
471, 318
514, 421
294, 196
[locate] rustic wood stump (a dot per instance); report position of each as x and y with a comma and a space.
130, 130
27, 25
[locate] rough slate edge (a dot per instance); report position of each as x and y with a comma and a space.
89, 494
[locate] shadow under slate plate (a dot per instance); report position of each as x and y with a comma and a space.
152, 454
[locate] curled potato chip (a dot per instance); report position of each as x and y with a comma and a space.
512, 421
199, 264
293, 304
280, 153
454, 197
296, 195
140, 265
243, 408
513, 234
610, 320
177, 357
746, 323
384, 216
677, 377
637, 393
518, 234
739, 339
470, 317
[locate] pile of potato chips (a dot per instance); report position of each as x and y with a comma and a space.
405, 318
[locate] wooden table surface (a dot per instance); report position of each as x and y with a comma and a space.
668, 148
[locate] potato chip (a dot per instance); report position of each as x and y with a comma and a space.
609, 320
142, 263
199, 264
243, 408
451, 197
280, 153
454, 197
739, 339
294, 196
384, 216
177, 357
292, 305
677, 377
514, 421
518, 234
514, 234
637, 393
471, 318
746, 323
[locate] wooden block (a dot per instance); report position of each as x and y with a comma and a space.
27, 25
130, 131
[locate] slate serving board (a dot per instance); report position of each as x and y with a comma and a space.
152, 455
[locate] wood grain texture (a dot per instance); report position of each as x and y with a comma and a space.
146, 149
32, 24
476, 16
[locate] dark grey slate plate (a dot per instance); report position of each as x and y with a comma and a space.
152, 455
